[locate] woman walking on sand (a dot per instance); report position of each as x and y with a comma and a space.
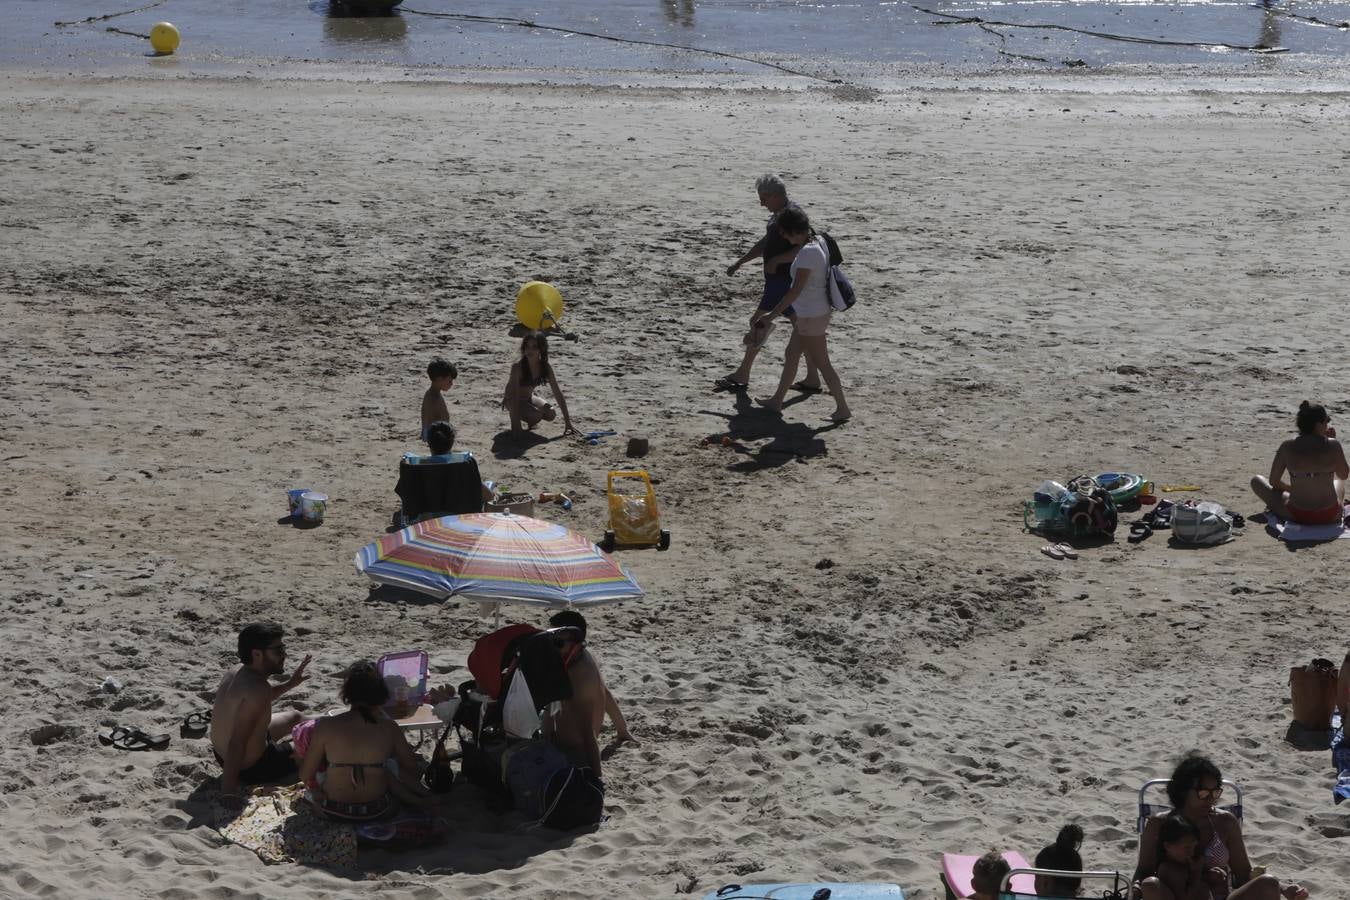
1317, 469
809, 297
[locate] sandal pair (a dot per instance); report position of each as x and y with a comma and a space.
1060, 551
133, 739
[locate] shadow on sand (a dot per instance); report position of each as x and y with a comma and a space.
786, 441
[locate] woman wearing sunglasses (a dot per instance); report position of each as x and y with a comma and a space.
1314, 493
1194, 790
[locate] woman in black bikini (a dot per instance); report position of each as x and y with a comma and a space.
356, 747
1317, 469
531, 371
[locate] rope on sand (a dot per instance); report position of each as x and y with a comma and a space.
526, 23
1104, 35
127, 33
125, 12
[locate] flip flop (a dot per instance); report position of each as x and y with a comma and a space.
1139, 531
1068, 550
133, 739
805, 388
195, 725
727, 383
1054, 551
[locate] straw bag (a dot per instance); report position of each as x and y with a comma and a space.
1313, 690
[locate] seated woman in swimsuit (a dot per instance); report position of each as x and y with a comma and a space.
1194, 791
1315, 462
358, 747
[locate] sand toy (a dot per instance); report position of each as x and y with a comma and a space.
633, 517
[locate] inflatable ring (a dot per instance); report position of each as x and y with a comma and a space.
1121, 486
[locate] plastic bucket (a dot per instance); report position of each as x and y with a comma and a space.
293, 500
516, 504
312, 506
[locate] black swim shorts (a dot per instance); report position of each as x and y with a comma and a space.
276, 765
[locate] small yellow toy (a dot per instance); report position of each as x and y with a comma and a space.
634, 520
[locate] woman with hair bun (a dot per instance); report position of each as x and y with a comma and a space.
1063, 856
1317, 469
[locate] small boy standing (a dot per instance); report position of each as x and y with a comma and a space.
442, 375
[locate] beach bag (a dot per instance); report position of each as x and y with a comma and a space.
549, 790
1312, 690
838, 289
1201, 522
1083, 509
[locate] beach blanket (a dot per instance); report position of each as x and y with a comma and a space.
281, 826
1340, 758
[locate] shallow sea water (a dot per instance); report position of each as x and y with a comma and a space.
855, 41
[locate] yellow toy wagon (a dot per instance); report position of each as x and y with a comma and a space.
633, 518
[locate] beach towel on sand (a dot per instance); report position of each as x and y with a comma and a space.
280, 826
1294, 532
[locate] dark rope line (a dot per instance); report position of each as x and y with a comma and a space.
526, 23
111, 15
1104, 35
127, 33
1311, 20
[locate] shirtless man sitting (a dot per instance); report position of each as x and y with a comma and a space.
244, 732
582, 717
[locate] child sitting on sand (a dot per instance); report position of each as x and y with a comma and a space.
442, 375
987, 876
529, 372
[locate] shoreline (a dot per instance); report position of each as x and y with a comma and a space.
1144, 80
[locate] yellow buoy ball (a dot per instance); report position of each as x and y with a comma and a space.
534, 298
164, 38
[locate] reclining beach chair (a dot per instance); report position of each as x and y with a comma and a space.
1117, 886
957, 869
430, 490
1153, 800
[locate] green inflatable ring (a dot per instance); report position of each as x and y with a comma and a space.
1121, 486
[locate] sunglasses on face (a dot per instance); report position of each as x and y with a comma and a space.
1209, 793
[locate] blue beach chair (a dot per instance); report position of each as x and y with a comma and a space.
1153, 800
1117, 885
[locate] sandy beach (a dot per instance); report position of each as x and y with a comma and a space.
852, 658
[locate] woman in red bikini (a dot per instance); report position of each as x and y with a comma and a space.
1315, 463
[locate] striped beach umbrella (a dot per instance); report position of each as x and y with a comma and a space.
497, 558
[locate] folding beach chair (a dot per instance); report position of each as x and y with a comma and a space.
957, 869
1153, 800
428, 490
1117, 886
